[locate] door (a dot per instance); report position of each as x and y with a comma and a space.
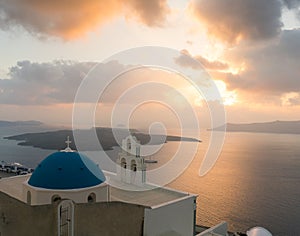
66, 218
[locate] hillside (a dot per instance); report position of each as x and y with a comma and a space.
280, 127
4, 123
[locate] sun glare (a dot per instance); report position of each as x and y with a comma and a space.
229, 97
235, 70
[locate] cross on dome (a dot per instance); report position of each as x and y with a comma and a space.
68, 142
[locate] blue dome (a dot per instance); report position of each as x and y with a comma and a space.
66, 170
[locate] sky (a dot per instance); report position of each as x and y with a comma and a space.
250, 48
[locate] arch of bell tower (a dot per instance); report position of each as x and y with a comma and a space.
131, 167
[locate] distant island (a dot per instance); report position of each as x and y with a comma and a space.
55, 140
4, 123
278, 127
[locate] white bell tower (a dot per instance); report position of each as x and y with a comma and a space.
131, 167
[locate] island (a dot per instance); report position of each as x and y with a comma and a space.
278, 127
108, 138
4, 123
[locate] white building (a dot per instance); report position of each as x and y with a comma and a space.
67, 195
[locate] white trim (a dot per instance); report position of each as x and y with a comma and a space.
172, 201
64, 190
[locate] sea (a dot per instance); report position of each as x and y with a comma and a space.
255, 181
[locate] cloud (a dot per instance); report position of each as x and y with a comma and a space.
187, 60
32, 83
293, 5
57, 82
70, 20
291, 99
234, 20
151, 13
39, 89
269, 69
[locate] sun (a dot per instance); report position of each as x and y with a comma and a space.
229, 97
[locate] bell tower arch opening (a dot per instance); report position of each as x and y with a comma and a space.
123, 163
131, 166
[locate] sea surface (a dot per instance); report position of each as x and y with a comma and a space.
255, 182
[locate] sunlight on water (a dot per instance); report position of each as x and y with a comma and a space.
254, 182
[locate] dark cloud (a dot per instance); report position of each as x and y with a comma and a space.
233, 20
273, 68
292, 4
42, 83
57, 82
71, 19
187, 60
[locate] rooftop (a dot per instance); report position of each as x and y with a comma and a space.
66, 170
13, 186
152, 198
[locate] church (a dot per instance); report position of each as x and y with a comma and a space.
68, 195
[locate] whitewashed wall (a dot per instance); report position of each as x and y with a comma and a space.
172, 219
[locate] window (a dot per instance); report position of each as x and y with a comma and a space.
29, 197
55, 198
128, 144
91, 197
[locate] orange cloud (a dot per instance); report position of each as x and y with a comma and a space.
193, 63
150, 13
71, 19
